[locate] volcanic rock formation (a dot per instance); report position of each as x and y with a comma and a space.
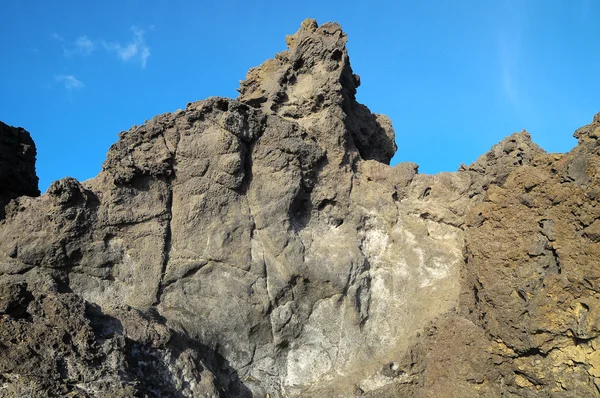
264, 247
17, 165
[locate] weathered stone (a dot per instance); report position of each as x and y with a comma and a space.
52, 348
263, 247
312, 84
17, 165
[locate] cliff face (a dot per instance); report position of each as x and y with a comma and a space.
263, 246
527, 323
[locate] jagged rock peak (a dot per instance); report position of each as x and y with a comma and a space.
515, 150
313, 84
287, 85
590, 131
244, 249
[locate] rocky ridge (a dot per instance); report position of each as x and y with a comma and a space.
264, 247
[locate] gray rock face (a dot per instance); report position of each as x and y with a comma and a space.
263, 247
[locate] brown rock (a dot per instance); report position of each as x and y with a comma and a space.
263, 247
312, 84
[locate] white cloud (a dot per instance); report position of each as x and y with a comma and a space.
84, 46
136, 50
70, 82
81, 46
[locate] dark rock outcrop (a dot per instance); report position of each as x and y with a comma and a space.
263, 247
17, 165
55, 344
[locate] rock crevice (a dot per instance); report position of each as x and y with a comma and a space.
264, 247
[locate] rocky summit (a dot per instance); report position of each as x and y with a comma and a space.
263, 247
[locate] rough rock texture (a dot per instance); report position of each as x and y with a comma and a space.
17, 164
528, 323
54, 344
312, 84
263, 247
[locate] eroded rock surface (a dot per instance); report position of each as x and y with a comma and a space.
528, 322
312, 84
17, 164
263, 247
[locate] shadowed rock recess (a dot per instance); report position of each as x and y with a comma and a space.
263, 247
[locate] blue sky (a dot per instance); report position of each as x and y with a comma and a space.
455, 77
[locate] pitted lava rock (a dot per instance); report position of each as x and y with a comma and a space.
263, 247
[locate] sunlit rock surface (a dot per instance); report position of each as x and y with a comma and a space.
264, 247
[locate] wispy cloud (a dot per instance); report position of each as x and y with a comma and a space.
81, 46
57, 37
509, 47
507, 52
135, 50
84, 46
69, 81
